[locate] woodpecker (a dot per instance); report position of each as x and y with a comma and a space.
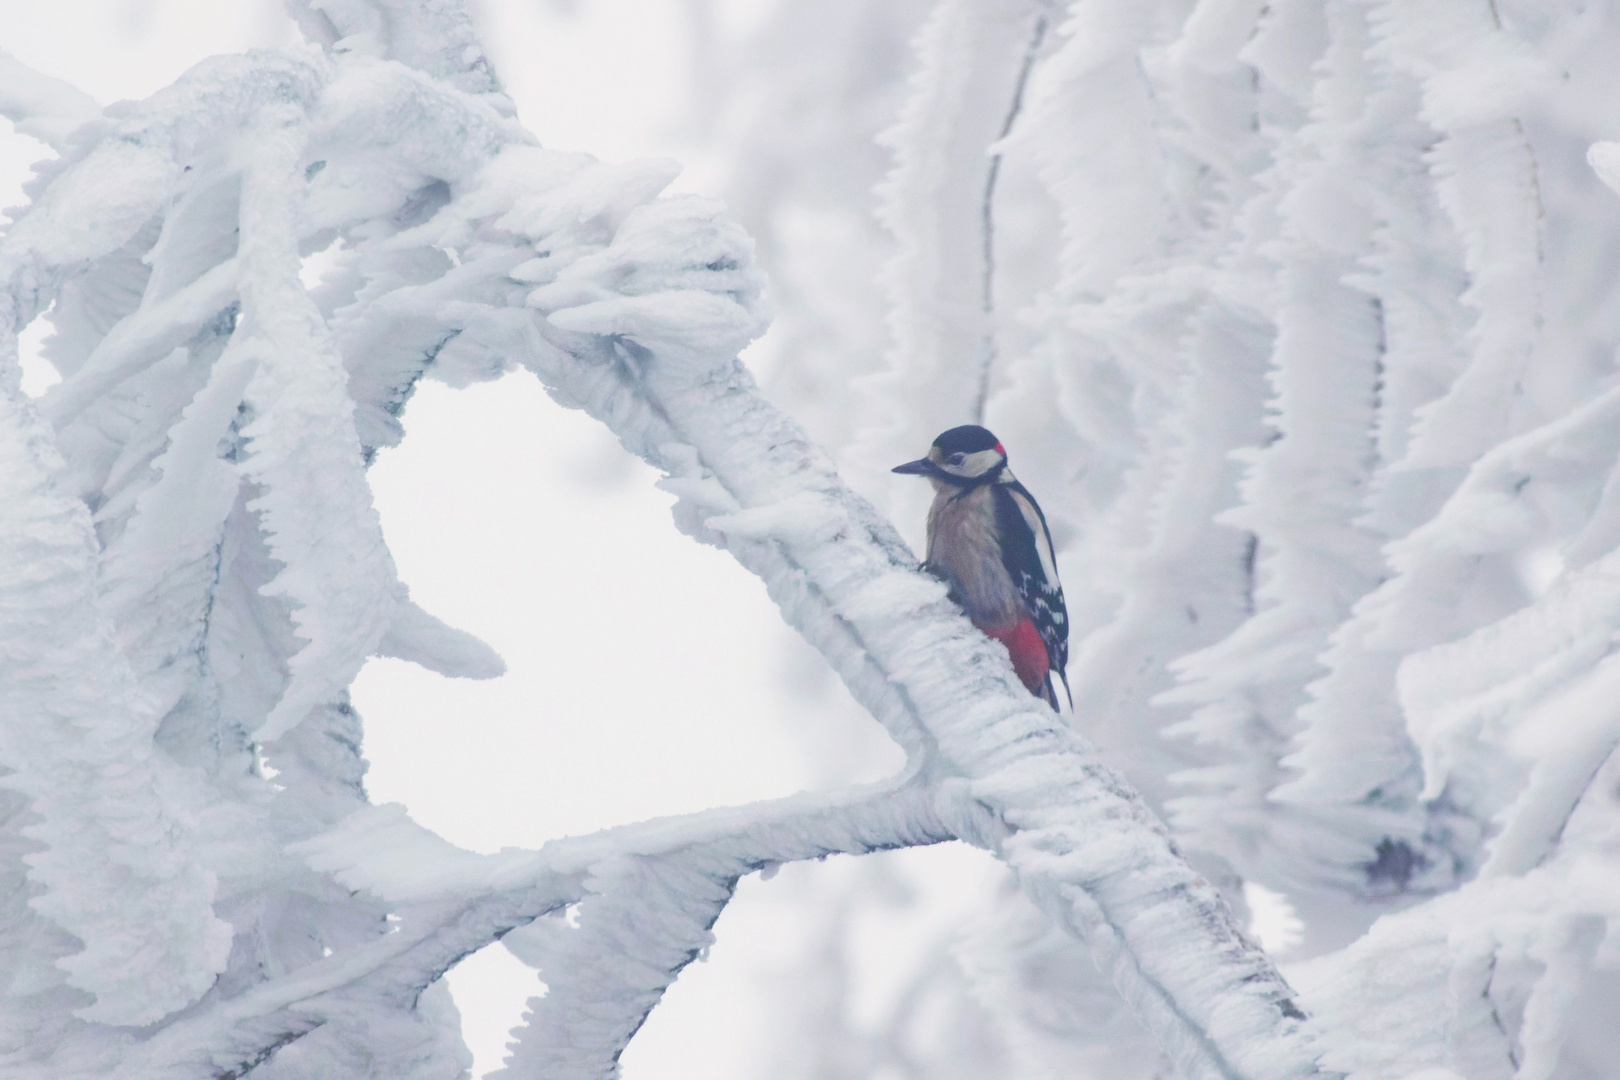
988, 541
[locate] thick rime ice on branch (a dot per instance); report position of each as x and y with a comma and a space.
1297, 316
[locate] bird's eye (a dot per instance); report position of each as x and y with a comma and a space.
957, 459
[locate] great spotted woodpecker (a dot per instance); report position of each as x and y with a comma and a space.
988, 541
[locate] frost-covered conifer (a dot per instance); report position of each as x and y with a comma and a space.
1301, 312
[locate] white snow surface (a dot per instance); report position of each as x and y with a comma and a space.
1298, 317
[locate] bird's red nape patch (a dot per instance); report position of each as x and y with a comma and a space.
1027, 650
1002, 450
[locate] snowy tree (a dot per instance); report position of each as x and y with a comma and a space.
1304, 311
1300, 312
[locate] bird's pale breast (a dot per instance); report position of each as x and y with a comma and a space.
964, 548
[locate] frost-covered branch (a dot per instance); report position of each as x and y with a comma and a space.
973, 60
1016, 778
668, 878
987, 215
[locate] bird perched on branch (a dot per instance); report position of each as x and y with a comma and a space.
987, 540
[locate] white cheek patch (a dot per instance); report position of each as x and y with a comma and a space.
980, 463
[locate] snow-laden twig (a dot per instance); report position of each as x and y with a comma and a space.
303, 424
112, 841
987, 216
973, 60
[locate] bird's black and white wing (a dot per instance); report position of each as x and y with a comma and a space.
1031, 562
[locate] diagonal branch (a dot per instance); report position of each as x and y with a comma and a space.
1016, 779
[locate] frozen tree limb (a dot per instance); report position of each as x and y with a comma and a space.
421, 638
644, 917
973, 64
475, 900
987, 217
1084, 846
304, 426
113, 838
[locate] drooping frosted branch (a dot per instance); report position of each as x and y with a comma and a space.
75, 741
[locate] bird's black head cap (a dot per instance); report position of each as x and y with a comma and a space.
967, 439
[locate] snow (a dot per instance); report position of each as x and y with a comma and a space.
1298, 318
109, 816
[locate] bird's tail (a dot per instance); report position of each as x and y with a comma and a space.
1051, 692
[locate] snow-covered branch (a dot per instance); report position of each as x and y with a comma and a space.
968, 89
1014, 777
603, 977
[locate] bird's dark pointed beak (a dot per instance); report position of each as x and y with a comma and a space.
920, 467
